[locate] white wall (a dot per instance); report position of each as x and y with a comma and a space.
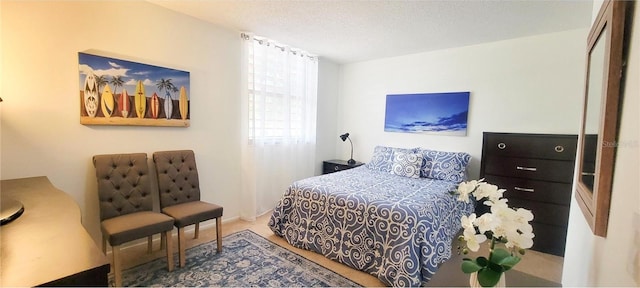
327, 117
41, 133
597, 261
527, 85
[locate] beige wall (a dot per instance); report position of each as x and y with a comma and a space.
40, 129
41, 133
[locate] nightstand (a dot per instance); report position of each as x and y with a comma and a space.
336, 165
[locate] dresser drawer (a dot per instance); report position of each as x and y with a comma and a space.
331, 166
549, 239
545, 213
536, 169
533, 190
555, 147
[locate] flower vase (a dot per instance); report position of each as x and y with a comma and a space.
473, 281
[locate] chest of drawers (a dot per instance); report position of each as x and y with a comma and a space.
537, 172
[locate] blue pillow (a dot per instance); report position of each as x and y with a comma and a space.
382, 159
406, 164
442, 165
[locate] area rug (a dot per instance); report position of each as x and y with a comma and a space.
247, 260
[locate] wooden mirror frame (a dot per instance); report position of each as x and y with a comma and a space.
595, 202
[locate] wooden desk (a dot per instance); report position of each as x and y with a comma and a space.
47, 245
450, 275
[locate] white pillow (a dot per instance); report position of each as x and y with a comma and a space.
442, 165
406, 164
382, 159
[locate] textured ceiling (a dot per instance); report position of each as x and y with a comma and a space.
351, 31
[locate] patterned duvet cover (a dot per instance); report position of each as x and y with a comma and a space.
396, 228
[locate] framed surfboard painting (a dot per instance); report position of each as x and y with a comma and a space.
120, 92
428, 113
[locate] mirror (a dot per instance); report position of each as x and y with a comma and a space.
598, 133
593, 103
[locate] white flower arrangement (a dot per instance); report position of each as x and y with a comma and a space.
509, 226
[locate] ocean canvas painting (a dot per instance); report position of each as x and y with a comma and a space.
120, 92
428, 113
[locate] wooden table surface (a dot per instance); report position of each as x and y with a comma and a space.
47, 244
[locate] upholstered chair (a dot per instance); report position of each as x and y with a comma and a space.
179, 190
124, 192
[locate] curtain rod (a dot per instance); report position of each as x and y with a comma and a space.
295, 51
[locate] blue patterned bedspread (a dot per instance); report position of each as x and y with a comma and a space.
396, 228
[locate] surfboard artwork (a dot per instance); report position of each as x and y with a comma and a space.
155, 106
114, 91
184, 103
125, 106
140, 100
168, 105
91, 94
107, 102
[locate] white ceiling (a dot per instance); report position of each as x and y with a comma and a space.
351, 31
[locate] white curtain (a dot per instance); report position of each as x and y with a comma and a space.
279, 98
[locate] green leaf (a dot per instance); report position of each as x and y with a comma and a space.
495, 267
499, 254
488, 277
508, 262
470, 266
482, 261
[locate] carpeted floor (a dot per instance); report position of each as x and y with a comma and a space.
247, 260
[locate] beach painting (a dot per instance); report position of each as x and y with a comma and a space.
428, 113
120, 92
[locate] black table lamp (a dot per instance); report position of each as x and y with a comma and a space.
344, 137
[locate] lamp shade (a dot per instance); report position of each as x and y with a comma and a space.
344, 137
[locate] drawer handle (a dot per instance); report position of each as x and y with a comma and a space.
524, 189
336, 168
588, 174
501, 145
559, 148
527, 168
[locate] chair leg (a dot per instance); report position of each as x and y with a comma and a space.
181, 246
219, 233
149, 244
197, 234
167, 236
163, 241
117, 266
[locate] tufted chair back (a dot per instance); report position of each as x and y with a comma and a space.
177, 177
123, 184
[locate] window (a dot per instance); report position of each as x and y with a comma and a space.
281, 91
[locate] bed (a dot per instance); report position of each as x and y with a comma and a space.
396, 227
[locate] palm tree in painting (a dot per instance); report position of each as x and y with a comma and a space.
175, 89
101, 80
116, 81
165, 84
